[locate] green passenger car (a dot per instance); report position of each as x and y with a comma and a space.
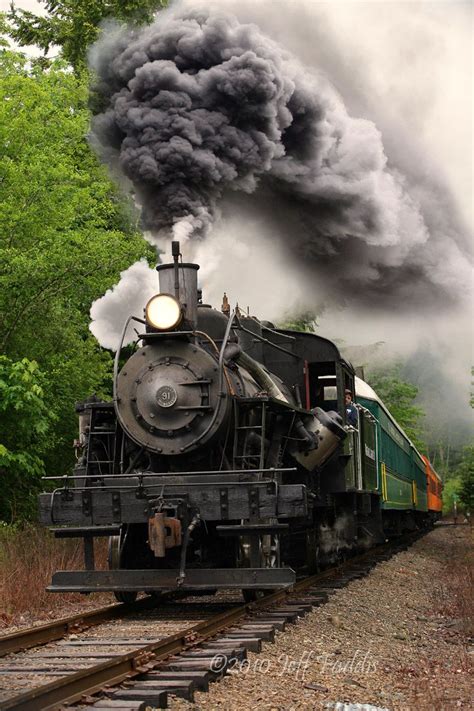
400, 471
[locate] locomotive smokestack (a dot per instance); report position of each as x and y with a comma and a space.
180, 279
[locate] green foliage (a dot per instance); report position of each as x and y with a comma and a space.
465, 473
305, 322
451, 490
398, 396
66, 235
460, 483
73, 25
25, 423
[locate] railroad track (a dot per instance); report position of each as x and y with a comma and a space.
134, 656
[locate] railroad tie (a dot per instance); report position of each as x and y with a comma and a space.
200, 679
252, 644
206, 665
148, 690
278, 621
212, 652
117, 704
267, 634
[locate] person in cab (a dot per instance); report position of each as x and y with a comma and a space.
352, 417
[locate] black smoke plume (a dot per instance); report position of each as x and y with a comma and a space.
198, 105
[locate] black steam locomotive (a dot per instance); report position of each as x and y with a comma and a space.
224, 459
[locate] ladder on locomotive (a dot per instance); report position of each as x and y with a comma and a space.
244, 408
102, 434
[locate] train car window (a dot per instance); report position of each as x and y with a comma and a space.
322, 385
327, 392
330, 392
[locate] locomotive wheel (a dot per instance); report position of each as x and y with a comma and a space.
263, 553
114, 559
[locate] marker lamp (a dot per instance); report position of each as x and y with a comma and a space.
163, 312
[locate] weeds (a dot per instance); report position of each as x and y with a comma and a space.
29, 555
457, 603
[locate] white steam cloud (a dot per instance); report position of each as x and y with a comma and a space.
109, 314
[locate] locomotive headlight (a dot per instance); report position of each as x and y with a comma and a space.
163, 312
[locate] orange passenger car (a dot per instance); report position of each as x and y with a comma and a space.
434, 489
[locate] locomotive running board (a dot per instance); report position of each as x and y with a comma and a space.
195, 579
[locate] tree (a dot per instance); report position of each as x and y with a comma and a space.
25, 423
67, 232
451, 489
399, 397
465, 473
74, 25
305, 322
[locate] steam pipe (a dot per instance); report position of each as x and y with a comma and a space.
175, 253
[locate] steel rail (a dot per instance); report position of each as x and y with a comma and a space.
49, 632
88, 681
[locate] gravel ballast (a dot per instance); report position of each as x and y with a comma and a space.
397, 639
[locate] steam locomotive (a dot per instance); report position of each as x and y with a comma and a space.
225, 459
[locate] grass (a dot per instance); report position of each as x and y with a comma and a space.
29, 555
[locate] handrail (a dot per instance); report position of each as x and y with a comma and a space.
189, 473
118, 352
221, 378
